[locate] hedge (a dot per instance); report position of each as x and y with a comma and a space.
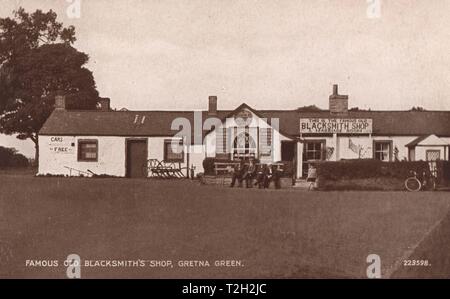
443, 172
9, 157
361, 169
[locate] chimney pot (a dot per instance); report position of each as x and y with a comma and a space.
212, 105
338, 104
105, 104
335, 89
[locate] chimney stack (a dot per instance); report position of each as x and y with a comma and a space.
105, 104
212, 105
60, 101
338, 104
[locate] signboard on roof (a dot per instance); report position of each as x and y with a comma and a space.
335, 126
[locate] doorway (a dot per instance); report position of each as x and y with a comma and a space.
136, 158
313, 150
288, 149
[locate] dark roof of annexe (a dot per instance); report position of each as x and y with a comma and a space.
159, 123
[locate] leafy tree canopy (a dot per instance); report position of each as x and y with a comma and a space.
37, 60
309, 108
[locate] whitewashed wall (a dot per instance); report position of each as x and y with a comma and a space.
156, 150
422, 150
367, 145
343, 151
111, 156
196, 157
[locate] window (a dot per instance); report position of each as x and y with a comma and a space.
88, 150
433, 155
244, 146
173, 150
382, 150
313, 150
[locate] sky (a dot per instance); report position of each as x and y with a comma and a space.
270, 54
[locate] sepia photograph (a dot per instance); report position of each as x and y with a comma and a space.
211, 139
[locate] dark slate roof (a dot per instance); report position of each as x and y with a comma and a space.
158, 123
116, 123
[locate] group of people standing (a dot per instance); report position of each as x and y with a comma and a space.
262, 174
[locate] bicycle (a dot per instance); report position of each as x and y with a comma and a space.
413, 184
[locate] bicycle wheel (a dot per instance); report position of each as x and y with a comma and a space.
413, 184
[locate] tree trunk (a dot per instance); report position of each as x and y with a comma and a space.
36, 153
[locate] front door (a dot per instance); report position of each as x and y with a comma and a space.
288, 150
136, 158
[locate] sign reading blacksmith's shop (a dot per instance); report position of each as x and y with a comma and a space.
335, 126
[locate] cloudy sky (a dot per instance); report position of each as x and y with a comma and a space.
268, 53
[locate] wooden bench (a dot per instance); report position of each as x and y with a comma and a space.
224, 167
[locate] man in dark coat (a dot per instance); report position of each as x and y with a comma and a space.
249, 174
261, 175
238, 173
276, 176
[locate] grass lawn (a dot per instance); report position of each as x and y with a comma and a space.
274, 233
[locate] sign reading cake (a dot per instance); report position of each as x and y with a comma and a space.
62, 145
335, 126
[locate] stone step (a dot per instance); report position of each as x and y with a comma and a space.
302, 184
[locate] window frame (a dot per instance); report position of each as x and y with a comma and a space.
323, 144
168, 142
80, 142
432, 151
390, 149
246, 151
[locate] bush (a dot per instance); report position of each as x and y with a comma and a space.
361, 169
9, 157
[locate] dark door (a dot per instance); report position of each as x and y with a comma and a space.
288, 150
136, 158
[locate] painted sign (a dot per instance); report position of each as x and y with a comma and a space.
335, 126
61, 145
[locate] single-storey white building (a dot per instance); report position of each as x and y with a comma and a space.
119, 143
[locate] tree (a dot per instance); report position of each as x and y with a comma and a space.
310, 108
10, 157
37, 61
418, 108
